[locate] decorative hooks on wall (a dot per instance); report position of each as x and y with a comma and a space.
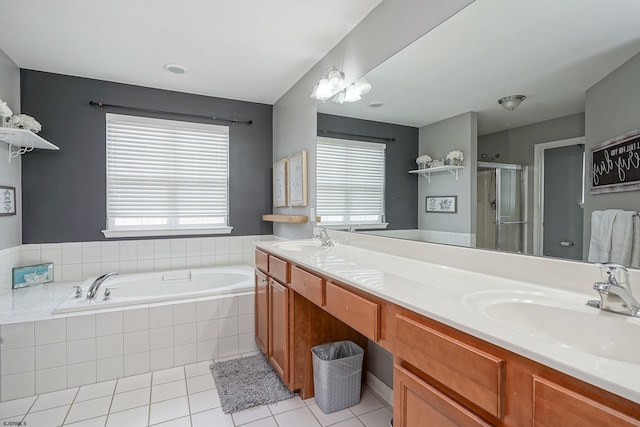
103, 105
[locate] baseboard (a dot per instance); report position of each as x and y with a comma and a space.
378, 387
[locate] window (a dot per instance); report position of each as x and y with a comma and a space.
350, 179
166, 177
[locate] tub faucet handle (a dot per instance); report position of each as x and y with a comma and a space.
78, 291
107, 293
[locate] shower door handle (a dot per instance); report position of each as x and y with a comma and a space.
512, 222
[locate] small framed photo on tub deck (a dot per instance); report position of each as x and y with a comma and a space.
441, 204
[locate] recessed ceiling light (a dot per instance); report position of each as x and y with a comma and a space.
375, 104
175, 68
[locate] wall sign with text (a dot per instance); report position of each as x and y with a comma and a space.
615, 164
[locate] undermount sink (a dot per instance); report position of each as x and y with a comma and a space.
299, 245
563, 320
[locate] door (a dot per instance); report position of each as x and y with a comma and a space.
262, 311
510, 211
279, 329
563, 215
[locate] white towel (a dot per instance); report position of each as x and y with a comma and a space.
635, 250
622, 238
601, 233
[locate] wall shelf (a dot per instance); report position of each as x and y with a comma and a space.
292, 219
426, 173
24, 140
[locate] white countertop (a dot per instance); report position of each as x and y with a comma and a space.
457, 297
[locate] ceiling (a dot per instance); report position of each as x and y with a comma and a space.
548, 50
251, 50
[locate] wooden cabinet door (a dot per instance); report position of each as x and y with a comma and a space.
279, 329
418, 404
262, 311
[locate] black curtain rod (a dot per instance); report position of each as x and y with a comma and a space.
102, 106
379, 138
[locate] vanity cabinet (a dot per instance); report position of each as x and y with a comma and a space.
262, 310
278, 352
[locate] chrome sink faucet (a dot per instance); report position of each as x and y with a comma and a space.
323, 235
93, 289
615, 293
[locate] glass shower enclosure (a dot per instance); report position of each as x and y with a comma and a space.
502, 213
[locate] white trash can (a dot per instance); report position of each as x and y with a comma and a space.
337, 375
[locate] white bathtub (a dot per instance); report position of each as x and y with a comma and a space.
145, 288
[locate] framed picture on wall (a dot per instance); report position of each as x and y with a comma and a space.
298, 179
280, 183
441, 204
7, 200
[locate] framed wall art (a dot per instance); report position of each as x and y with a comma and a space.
7, 200
441, 204
615, 164
298, 179
280, 183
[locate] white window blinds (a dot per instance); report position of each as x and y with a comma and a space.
350, 181
165, 173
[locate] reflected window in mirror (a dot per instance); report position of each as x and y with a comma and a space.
350, 177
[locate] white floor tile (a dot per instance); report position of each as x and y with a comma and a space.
196, 369
368, 402
180, 422
286, 405
200, 383
251, 414
55, 398
168, 375
11, 408
296, 418
265, 422
131, 399
168, 410
89, 409
49, 417
213, 417
92, 422
333, 417
170, 390
203, 401
377, 418
136, 417
134, 382
93, 391
351, 422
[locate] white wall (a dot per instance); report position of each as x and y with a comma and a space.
437, 140
10, 226
390, 27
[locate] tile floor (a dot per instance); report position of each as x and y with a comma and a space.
178, 397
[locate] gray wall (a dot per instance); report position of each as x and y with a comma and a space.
612, 109
389, 28
10, 226
65, 191
401, 189
517, 146
437, 140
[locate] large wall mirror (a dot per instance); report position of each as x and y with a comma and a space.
526, 170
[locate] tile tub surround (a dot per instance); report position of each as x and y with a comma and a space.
77, 261
61, 352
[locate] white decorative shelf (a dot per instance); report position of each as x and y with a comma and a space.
426, 173
24, 140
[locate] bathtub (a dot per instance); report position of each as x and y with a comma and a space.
146, 288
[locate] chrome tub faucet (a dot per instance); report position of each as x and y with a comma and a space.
95, 286
615, 292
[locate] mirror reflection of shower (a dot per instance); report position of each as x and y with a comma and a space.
501, 220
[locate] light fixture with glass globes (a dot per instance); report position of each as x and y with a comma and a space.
353, 92
511, 102
329, 84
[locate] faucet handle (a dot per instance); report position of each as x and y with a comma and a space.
78, 291
611, 269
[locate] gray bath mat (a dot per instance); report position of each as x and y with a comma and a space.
246, 382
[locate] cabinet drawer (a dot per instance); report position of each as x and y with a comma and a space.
359, 313
307, 285
416, 401
262, 261
279, 269
554, 405
468, 371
